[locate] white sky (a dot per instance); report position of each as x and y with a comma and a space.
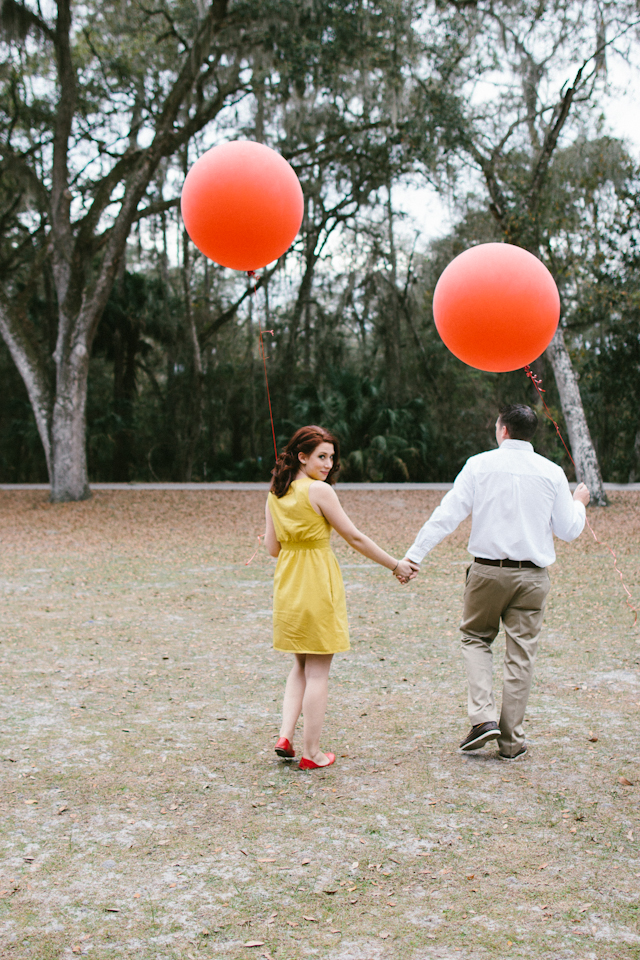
432, 216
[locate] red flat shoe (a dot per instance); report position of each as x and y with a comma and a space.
284, 749
310, 765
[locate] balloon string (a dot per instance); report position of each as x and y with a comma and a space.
251, 274
537, 382
261, 536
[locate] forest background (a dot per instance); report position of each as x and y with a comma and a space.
126, 356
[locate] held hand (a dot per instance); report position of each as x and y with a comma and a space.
582, 494
406, 570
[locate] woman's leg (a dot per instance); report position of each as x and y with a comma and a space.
314, 704
293, 694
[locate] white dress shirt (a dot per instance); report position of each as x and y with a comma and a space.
518, 500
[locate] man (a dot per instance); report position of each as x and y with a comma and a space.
518, 500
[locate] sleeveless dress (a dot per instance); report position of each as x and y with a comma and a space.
309, 604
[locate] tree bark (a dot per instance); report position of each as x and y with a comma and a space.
69, 480
634, 472
582, 449
34, 375
195, 419
391, 320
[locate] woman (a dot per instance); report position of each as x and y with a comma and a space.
309, 607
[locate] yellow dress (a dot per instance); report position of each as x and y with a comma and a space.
309, 604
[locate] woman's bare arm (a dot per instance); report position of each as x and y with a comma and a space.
324, 500
270, 539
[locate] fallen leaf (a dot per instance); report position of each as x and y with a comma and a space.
62, 809
630, 835
353, 901
136, 896
266, 860
76, 948
112, 909
592, 738
293, 923
305, 862
28, 802
310, 919
622, 780
254, 943
383, 936
542, 866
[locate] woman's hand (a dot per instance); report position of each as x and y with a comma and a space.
406, 570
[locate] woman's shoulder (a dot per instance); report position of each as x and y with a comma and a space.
321, 493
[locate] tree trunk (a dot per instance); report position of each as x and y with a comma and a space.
391, 320
634, 472
582, 449
195, 415
34, 374
69, 478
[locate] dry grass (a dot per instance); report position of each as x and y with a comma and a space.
144, 814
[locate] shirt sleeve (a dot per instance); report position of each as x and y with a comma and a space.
568, 516
455, 507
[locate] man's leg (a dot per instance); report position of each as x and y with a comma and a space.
484, 599
522, 624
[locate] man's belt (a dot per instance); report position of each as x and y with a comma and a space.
507, 563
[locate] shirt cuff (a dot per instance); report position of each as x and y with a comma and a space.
415, 555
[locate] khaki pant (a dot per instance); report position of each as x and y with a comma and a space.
517, 597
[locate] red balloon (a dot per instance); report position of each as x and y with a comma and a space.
242, 204
496, 307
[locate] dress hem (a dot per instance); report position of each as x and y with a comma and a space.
319, 652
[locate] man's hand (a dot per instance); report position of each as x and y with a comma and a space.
582, 494
406, 570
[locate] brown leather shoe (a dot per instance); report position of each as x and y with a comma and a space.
479, 735
521, 752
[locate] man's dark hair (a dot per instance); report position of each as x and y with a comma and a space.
521, 421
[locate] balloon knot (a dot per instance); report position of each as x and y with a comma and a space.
536, 381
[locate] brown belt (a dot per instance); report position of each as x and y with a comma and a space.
507, 563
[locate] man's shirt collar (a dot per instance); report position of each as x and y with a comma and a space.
510, 444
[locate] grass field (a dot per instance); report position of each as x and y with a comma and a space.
145, 815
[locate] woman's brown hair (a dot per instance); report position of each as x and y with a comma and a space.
304, 440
